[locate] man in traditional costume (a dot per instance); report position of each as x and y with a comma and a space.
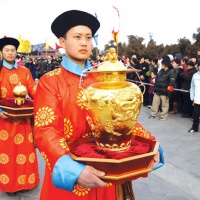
60, 117
18, 160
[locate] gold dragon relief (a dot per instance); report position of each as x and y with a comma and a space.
114, 117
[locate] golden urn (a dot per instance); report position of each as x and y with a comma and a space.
20, 93
113, 105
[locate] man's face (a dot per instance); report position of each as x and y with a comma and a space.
174, 64
9, 53
141, 60
164, 67
78, 44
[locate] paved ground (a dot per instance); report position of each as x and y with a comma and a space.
178, 179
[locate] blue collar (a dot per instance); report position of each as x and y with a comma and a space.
74, 68
8, 66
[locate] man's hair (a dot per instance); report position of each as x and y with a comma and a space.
155, 60
167, 63
18, 57
177, 61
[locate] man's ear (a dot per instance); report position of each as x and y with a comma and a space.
62, 42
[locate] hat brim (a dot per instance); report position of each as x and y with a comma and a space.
8, 41
72, 18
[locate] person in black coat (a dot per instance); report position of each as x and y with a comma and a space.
187, 103
164, 78
176, 98
144, 67
50, 64
32, 67
42, 67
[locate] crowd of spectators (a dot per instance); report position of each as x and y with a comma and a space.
169, 79
39, 66
158, 74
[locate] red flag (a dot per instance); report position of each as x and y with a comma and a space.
58, 46
115, 33
115, 36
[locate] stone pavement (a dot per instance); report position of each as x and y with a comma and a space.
178, 179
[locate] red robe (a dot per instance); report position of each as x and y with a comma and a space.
59, 118
18, 160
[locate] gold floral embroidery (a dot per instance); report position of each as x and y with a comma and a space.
86, 135
109, 185
4, 179
54, 72
46, 159
21, 179
31, 178
32, 158
139, 131
44, 116
18, 139
28, 77
35, 88
68, 129
21, 159
79, 99
63, 144
3, 135
30, 137
59, 97
4, 159
3, 92
14, 79
80, 191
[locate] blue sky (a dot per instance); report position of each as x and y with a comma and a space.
167, 20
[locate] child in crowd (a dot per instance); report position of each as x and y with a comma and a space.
150, 91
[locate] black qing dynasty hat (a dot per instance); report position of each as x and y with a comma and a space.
8, 41
69, 19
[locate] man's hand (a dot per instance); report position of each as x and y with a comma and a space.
142, 77
156, 159
3, 115
90, 178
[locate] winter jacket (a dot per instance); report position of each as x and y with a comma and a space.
195, 88
163, 80
187, 78
179, 79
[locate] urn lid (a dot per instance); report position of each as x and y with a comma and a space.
108, 67
20, 89
111, 64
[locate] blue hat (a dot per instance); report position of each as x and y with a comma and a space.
69, 19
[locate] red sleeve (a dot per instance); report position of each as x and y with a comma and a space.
48, 129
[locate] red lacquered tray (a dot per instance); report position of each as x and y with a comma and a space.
120, 170
26, 110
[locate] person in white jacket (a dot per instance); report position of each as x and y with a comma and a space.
195, 97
